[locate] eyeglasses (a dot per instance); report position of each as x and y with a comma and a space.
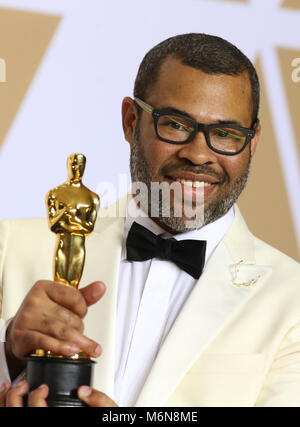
176, 128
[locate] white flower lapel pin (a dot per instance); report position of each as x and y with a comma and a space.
235, 277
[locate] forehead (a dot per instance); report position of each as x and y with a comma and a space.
204, 96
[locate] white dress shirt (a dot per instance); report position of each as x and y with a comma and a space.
150, 296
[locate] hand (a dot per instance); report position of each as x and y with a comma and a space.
51, 317
95, 398
13, 397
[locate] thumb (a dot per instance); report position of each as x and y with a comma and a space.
95, 398
93, 292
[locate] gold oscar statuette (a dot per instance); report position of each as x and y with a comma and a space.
72, 212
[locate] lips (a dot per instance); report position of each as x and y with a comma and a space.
189, 177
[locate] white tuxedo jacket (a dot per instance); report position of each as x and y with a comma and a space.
236, 341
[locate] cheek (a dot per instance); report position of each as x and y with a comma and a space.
161, 154
235, 166
157, 153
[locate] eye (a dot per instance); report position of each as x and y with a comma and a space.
221, 132
177, 126
229, 133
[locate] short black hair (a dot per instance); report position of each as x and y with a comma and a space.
208, 53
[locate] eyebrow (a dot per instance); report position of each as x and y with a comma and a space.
218, 122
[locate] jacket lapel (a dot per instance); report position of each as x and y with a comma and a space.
228, 281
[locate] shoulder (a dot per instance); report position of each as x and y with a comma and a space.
90, 193
26, 254
21, 234
95, 198
243, 244
280, 287
269, 255
23, 225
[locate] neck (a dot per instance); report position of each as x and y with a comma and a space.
164, 226
75, 181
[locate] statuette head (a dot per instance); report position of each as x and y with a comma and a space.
76, 165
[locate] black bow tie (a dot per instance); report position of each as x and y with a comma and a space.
189, 255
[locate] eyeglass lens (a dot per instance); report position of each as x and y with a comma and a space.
179, 129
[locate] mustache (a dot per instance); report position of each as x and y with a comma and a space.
197, 169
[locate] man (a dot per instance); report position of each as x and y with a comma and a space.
219, 328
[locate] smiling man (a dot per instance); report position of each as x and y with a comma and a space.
209, 122
198, 311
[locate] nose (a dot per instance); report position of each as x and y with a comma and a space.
197, 151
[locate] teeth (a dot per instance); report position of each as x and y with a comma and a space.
199, 184
195, 184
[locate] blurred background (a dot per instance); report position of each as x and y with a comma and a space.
65, 66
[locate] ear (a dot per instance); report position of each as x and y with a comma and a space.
129, 118
255, 140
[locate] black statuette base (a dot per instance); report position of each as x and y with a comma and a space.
63, 376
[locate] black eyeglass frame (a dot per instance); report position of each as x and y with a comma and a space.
156, 113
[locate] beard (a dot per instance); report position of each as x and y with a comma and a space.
141, 172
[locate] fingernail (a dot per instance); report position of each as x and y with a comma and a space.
42, 386
20, 384
84, 391
98, 290
97, 351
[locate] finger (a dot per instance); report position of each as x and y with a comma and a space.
35, 339
93, 292
67, 297
64, 316
70, 344
64, 333
15, 395
38, 396
95, 398
5, 386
